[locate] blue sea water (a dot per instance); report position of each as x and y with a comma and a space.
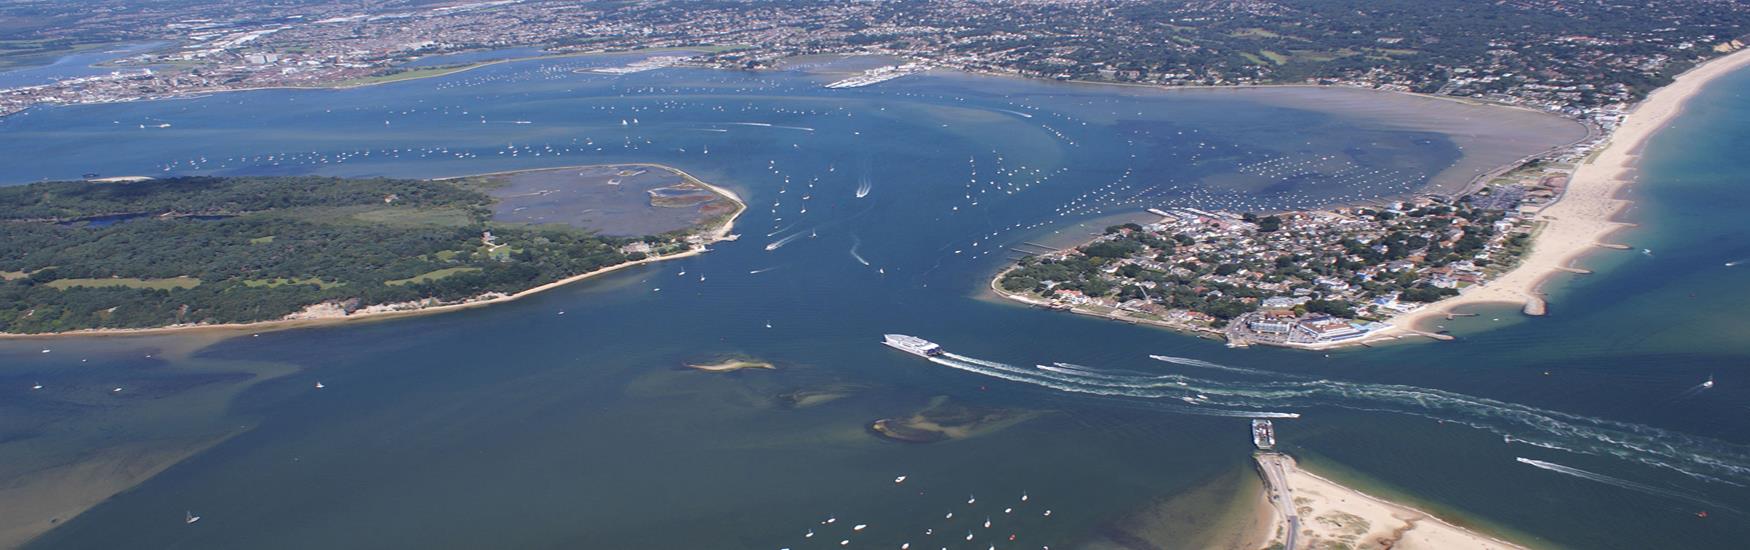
567, 419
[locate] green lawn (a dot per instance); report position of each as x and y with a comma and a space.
433, 276
158, 284
261, 240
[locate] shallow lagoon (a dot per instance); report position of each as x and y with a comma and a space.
625, 200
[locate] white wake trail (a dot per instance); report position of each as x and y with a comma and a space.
856, 242
1618, 482
784, 241
1700, 458
1189, 362
1069, 384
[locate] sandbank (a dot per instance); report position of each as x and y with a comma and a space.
1332, 515
731, 366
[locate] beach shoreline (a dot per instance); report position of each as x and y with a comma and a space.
1333, 513
1583, 218
718, 234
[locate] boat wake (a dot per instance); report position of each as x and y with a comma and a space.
1695, 390
863, 186
1704, 459
1088, 385
1623, 483
856, 242
786, 228
1189, 362
770, 125
786, 240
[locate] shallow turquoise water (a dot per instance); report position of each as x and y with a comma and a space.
519, 426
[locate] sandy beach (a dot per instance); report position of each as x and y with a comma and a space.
324, 317
1584, 217
1334, 516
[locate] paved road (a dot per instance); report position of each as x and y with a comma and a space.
1275, 467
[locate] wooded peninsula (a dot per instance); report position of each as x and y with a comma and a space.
80, 255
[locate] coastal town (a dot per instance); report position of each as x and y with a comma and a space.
1308, 279
1536, 60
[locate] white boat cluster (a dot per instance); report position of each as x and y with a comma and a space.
1001, 525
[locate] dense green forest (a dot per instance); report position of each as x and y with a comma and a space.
81, 255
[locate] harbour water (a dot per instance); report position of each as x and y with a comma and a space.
567, 419
87, 63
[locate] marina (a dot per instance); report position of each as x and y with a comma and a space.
878, 75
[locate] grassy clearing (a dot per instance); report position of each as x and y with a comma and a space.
433, 276
154, 284
409, 74
447, 217
1254, 32
270, 283
261, 240
10, 275
1274, 57
501, 252
1317, 56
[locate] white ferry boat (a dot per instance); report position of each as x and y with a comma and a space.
1263, 434
912, 345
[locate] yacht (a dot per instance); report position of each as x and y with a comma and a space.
912, 344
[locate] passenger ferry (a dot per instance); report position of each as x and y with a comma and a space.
912, 345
